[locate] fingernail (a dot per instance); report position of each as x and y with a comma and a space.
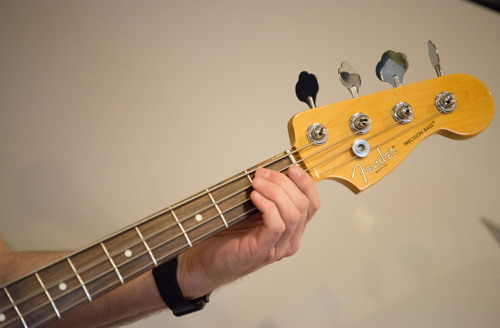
263, 172
294, 172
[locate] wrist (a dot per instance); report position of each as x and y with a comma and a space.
168, 287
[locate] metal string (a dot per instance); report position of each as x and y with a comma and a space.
241, 175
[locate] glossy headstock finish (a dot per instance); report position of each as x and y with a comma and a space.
389, 141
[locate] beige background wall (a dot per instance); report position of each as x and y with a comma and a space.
111, 110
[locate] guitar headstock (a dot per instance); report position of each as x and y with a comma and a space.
359, 141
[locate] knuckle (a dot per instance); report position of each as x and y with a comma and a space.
293, 249
293, 218
270, 256
303, 204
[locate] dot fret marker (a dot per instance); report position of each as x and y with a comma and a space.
63, 286
198, 217
2, 317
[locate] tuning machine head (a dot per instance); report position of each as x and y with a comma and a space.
350, 78
434, 57
392, 67
307, 88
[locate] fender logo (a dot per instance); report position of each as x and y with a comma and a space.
376, 166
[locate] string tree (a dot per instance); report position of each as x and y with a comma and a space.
350, 78
392, 67
307, 88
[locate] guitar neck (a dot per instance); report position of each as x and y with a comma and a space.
54, 290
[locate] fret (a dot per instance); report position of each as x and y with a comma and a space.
96, 270
248, 177
233, 198
18, 312
218, 209
130, 256
147, 246
113, 263
196, 212
182, 228
163, 236
63, 285
80, 280
208, 227
48, 295
30, 300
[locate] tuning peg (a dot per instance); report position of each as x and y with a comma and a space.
434, 57
350, 78
391, 68
307, 88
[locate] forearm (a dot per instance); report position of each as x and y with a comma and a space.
129, 302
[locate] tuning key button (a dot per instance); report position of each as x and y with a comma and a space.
434, 57
307, 88
402, 113
350, 78
392, 67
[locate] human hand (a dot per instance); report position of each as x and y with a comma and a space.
286, 205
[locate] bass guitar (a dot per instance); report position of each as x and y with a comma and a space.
356, 142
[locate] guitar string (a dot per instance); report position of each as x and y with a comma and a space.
110, 286
286, 154
91, 265
137, 256
242, 175
372, 136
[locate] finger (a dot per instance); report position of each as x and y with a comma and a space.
292, 208
272, 229
308, 186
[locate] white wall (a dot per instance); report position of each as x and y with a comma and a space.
111, 110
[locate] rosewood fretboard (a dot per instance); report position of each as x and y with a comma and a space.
54, 290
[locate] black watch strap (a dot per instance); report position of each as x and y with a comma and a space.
165, 277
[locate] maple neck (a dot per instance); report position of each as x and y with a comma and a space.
54, 290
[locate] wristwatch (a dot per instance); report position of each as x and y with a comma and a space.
165, 277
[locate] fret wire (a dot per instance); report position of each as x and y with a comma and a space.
112, 263
248, 176
48, 295
15, 307
217, 208
146, 245
178, 236
177, 250
246, 172
182, 228
102, 274
184, 233
157, 232
135, 272
288, 153
224, 183
73, 289
79, 279
213, 201
212, 218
